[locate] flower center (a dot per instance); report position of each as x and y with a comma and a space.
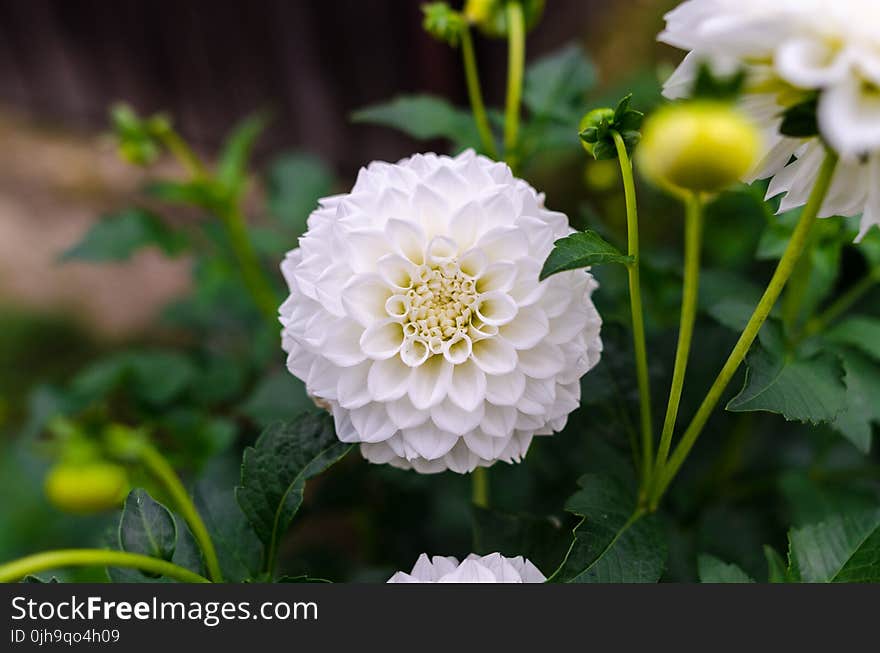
441, 304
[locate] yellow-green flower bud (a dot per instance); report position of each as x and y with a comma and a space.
86, 488
597, 119
698, 146
490, 16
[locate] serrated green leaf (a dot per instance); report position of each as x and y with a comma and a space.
806, 390
274, 472
859, 331
713, 570
115, 237
239, 550
232, 164
612, 543
541, 540
295, 183
862, 409
147, 527
423, 117
777, 570
579, 250
843, 549
555, 85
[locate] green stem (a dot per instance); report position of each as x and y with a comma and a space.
475, 93
780, 276
480, 487
33, 564
635, 302
692, 238
249, 265
183, 153
841, 304
516, 49
165, 474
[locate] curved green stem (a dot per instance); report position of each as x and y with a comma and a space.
33, 564
183, 153
841, 304
635, 302
165, 474
480, 487
516, 53
475, 93
249, 265
777, 282
692, 238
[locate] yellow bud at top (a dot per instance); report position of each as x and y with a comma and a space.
479, 11
87, 487
697, 146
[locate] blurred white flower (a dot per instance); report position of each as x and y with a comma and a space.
417, 316
790, 49
493, 568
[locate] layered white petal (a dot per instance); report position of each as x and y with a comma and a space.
492, 568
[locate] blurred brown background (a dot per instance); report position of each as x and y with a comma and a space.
208, 64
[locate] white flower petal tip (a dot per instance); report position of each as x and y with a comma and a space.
416, 315
492, 568
794, 50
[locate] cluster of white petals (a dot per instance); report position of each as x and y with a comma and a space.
493, 568
416, 315
791, 48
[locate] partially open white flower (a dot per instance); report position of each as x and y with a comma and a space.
417, 316
493, 568
791, 48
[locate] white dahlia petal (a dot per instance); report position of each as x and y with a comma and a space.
416, 315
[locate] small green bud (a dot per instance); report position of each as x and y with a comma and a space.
490, 16
697, 146
86, 488
138, 138
598, 126
123, 442
442, 22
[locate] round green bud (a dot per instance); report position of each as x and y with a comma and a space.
490, 16
597, 119
86, 488
697, 146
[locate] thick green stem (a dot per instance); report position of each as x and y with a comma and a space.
249, 265
480, 487
692, 238
516, 44
781, 275
635, 302
475, 93
34, 564
841, 304
165, 474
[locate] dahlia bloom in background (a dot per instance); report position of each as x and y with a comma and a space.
493, 568
792, 49
416, 315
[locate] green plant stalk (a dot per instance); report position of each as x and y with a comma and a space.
480, 487
693, 239
165, 474
777, 282
249, 265
635, 303
33, 564
183, 153
475, 94
516, 57
841, 304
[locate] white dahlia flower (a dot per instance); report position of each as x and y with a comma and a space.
791, 49
493, 568
416, 316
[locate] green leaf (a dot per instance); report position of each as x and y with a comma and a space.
423, 117
612, 544
278, 396
186, 554
115, 237
844, 549
728, 298
777, 570
809, 501
232, 164
238, 547
541, 540
859, 331
203, 193
147, 527
555, 85
295, 183
802, 389
579, 250
713, 570
274, 472
862, 409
